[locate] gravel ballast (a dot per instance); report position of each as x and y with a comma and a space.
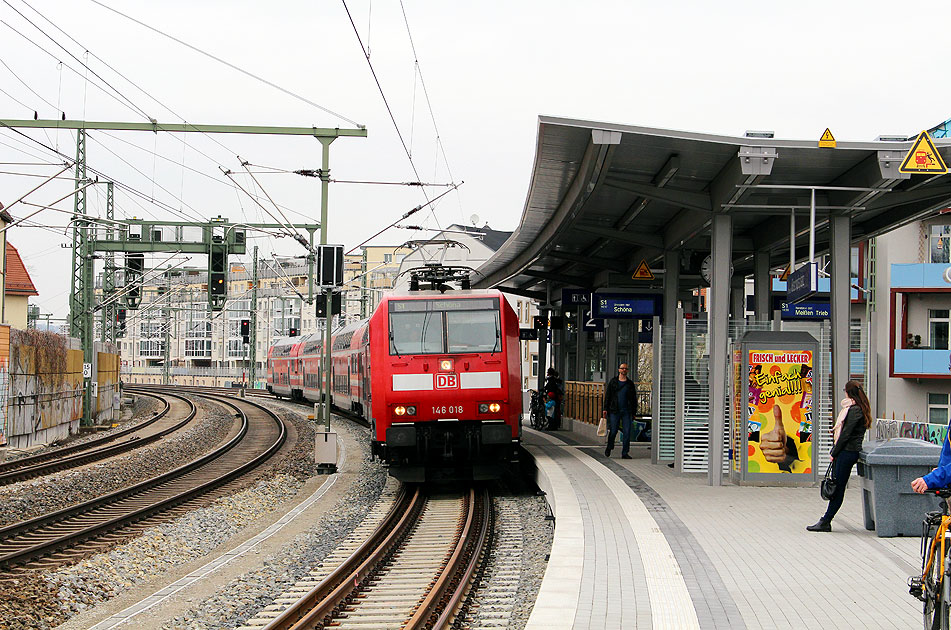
32, 498
44, 601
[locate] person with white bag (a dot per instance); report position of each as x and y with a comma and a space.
620, 407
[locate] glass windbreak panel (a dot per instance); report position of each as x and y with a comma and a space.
473, 331
419, 332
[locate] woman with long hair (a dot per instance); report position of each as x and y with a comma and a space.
845, 452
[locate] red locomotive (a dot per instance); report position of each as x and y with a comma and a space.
445, 375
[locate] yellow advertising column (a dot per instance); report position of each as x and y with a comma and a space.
779, 388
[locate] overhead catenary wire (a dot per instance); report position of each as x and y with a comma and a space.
63, 64
151, 97
273, 203
229, 64
422, 83
135, 107
406, 214
25, 84
288, 230
284, 277
33, 190
386, 103
95, 171
127, 102
196, 216
26, 151
229, 184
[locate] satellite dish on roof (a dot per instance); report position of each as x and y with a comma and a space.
474, 219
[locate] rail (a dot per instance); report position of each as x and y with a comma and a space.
402, 548
24, 542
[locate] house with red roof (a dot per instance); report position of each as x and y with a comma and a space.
18, 288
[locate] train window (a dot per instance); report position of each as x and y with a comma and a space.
416, 333
440, 326
473, 331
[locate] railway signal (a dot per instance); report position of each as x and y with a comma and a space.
336, 304
82, 297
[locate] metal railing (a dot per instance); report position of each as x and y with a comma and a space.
584, 400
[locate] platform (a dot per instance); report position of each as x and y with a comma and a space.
637, 546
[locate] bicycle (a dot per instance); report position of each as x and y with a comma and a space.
933, 586
536, 412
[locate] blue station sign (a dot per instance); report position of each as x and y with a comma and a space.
626, 306
803, 283
806, 310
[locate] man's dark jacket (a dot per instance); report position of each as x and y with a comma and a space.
610, 397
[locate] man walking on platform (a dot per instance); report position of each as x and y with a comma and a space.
620, 407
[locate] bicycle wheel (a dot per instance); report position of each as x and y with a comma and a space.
937, 606
537, 413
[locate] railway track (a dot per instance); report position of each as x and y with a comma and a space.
413, 571
77, 531
259, 393
175, 415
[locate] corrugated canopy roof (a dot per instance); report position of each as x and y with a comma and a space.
604, 196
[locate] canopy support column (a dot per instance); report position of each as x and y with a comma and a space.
718, 323
761, 286
840, 301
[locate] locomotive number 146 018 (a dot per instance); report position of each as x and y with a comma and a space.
447, 409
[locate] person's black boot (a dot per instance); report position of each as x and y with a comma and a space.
821, 526
607, 451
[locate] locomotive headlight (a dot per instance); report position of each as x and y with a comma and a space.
400, 410
445, 365
494, 407
489, 407
483, 407
411, 410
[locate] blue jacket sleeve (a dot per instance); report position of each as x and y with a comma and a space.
940, 477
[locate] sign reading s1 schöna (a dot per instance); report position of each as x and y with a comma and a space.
626, 306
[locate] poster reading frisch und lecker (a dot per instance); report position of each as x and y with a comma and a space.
780, 412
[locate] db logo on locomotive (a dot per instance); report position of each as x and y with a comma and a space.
447, 381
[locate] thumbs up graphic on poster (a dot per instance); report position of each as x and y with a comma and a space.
778, 448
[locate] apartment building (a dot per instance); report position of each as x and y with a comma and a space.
911, 321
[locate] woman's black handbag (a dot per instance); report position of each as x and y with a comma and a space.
827, 487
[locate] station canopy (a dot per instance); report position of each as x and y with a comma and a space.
604, 197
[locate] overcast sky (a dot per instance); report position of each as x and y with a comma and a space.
489, 69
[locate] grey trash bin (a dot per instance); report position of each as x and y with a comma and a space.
887, 469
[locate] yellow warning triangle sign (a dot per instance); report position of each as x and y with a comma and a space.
923, 157
643, 272
785, 274
827, 141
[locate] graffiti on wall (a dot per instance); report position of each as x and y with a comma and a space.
888, 429
4, 380
45, 388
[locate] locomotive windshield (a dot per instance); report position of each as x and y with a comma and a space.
444, 326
